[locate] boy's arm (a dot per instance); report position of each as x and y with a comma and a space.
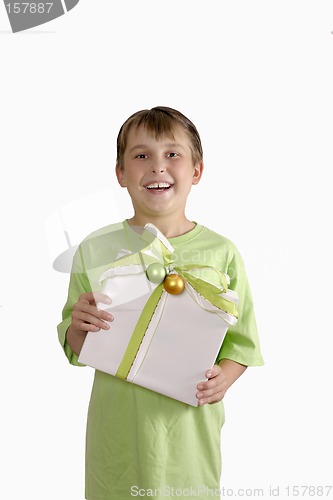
221, 377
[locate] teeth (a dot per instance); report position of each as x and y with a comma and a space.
156, 185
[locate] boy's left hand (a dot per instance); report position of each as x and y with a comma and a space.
214, 389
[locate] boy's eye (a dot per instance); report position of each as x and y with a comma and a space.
173, 155
141, 156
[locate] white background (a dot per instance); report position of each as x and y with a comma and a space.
256, 78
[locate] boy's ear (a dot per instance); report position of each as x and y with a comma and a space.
120, 173
197, 172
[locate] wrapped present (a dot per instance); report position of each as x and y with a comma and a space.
169, 323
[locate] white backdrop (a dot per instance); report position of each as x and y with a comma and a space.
256, 78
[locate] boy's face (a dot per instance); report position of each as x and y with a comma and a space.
158, 174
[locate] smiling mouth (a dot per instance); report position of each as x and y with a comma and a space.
159, 186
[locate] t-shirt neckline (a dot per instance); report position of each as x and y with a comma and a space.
176, 240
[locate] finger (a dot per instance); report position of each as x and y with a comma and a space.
88, 298
215, 384
210, 374
102, 297
209, 391
92, 310
93, 297
85, 327
86, 318
213, 372
216, 398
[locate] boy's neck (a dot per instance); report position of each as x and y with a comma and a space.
170, 228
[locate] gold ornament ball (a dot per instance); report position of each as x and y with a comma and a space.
174, 284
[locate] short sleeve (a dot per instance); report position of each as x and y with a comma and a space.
241, 343
79, 283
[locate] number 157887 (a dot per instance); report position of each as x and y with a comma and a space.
29, 8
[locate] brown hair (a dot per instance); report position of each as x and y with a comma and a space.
160, 121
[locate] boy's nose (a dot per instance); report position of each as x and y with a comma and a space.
158, 170
158, 167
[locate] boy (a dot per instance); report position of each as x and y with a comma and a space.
138, 442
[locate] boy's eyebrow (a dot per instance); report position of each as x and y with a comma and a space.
168, 145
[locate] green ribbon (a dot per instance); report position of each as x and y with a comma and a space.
207, 290
139, 332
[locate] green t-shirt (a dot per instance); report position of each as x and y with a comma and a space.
138, 442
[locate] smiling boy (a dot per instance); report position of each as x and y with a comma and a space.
137, 438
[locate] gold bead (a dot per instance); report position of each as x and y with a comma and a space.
174, 284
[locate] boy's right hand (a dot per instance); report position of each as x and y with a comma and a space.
85, 315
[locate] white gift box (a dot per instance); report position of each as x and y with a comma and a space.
180, 341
